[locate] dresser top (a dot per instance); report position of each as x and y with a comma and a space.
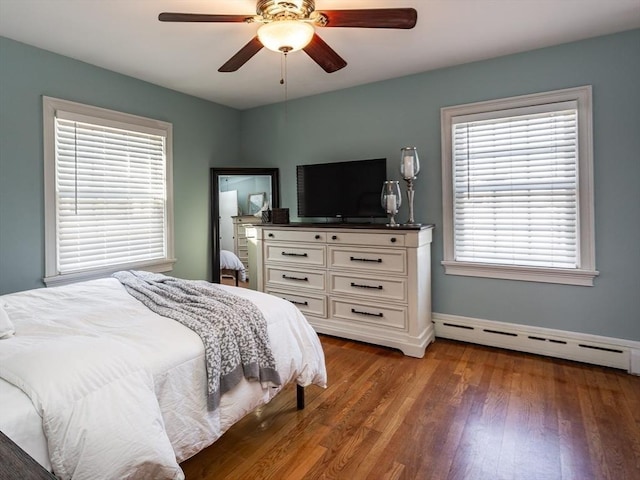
363, 226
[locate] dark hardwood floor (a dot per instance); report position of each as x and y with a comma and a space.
462, 412
227, 280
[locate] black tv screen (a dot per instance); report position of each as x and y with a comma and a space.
341, 190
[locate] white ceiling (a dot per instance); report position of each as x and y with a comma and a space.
125, 36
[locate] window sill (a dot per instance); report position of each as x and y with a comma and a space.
545, 275
164, 265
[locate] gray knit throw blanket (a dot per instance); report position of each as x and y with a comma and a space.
233, 330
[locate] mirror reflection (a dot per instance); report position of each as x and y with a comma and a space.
239, 197
258, 203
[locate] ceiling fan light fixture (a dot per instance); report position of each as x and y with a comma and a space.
286, 35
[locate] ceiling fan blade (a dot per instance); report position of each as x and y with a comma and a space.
201, 17
324, 55
243, 56
372, 18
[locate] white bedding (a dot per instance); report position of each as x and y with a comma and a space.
230, 261
171, 355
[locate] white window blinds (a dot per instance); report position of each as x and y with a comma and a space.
110, 194
516, 187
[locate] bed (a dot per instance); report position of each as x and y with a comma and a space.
130, 385
231, 264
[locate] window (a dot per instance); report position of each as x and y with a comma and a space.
108, 192
518, 188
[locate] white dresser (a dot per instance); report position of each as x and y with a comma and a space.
363, 283
240, 236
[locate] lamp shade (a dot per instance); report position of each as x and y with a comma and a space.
286, 35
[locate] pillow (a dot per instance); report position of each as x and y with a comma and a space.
6, 327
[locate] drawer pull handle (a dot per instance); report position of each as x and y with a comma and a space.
287, 254
393, 240
287, 277
334, 237
357, 259
353, 310
270, 235
317, 237
295, 302
376, 287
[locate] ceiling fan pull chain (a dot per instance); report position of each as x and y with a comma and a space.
284, 81
282, 74
286, 78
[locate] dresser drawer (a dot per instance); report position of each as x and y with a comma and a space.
378, 287
312, 255
313, 305
290, 278
381, 239
373, 260
295, 236
369, 313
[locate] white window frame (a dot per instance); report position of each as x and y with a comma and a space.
586, 272
110, 118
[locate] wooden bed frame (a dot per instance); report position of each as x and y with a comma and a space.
16, 463
234, 273
300, 397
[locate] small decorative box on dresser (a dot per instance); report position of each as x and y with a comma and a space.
367, 283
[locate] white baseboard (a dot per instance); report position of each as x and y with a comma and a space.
598, 350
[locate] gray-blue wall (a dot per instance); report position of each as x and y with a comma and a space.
364, 122
378, 119
204, 135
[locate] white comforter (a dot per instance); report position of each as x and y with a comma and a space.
121, 390
230, 261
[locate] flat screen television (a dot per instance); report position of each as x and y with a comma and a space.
342, 189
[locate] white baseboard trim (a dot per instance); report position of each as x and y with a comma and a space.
581, 347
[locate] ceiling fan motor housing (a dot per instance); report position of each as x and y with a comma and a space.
271, 10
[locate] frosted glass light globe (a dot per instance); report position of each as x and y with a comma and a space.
286, 35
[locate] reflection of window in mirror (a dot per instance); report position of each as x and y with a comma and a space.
257, 203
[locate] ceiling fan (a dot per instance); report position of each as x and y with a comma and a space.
288, 25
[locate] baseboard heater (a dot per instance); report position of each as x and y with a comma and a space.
605, 351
